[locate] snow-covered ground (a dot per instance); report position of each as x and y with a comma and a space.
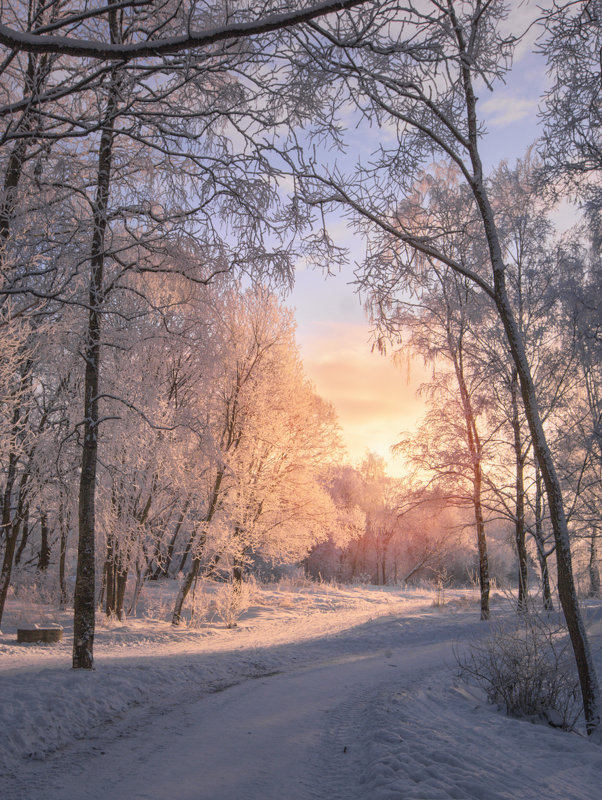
318, 692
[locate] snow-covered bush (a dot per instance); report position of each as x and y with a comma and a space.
232, 600
199, 603
362, 579
39, 588
440, 583
527, 670
295, 583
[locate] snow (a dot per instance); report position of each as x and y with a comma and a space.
318, 693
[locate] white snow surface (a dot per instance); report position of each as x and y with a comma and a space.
318, 694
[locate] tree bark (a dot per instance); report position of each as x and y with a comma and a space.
63, 531
121, 584
24, 536
540, 542
593, 566
519, 518
109, 576
44, 553
84, 598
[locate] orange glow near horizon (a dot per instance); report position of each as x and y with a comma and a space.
375, 399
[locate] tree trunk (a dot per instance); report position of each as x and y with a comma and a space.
541, 545
11, 536
473, 442
84, 598
482, 549
63, 530
140, 578
185, 588
24, 536
186, 552
44, 553
121, 584
519, 519
566, 584
594, 567
109, 577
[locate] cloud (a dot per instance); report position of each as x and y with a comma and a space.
500, 111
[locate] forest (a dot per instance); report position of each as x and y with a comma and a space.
165, 166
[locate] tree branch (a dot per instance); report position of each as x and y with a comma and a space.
84, 48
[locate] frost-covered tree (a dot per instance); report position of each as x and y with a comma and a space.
264, 437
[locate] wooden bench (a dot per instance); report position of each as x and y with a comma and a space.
47, 635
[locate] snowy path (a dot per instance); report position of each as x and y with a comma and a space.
369, 713
293, 736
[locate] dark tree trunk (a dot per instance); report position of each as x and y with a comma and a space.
481, 546
44, 553
594, 566
24, 536
186, 552
11, 538
519, 519
10, 543
566, 584
187, 584
240, 565
109, 577
84, 599
63, 532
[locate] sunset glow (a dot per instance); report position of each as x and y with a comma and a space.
374, 397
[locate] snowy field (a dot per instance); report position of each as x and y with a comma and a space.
318, 693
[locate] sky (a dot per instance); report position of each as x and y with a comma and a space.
376, 399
